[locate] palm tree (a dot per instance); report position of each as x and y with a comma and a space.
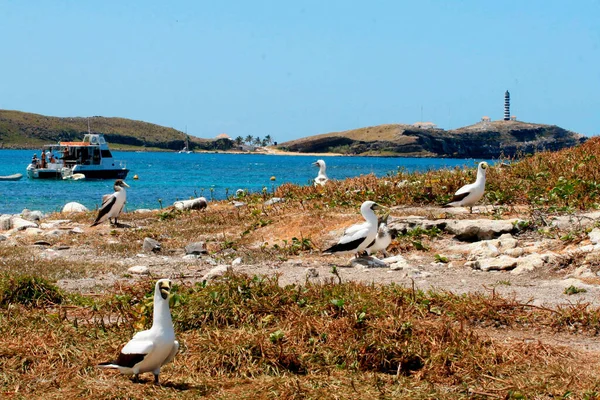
239, 140
269, 140
265, 142
257, 141
249, 139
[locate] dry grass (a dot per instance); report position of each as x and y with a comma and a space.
250, 337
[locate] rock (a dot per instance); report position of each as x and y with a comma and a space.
151, 245
32, 215
507, 241
194, 204
216, 272
238, 204
5, 222
583, 272
398, 263
367, 262
312, 272
74, 207
474, 230
272, 201
484, 249
516, 252
190, 257
143, 211
237, 261
139, 270
196, 248
3, 238
77, 230
405, 224
502, 263
594, 236
42, 243
240, 193
19, 224
55, 233
530, 263
63, 247
33, 231
394, 259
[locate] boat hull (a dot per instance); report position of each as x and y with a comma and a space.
89, 174
104, 173
13, 177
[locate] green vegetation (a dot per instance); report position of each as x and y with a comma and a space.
26, 130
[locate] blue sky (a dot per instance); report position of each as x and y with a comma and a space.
298, 68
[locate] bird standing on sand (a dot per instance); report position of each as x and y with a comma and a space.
112, 204
149, 350
321, 178
359, 236
384, 237
470, 194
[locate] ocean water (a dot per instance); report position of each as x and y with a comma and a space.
173, 176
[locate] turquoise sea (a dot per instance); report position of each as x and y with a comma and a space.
174, 176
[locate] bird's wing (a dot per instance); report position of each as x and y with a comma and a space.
173, 353
459, 197
106, 198
134, 352
360, 233
354, 228
465, 189
103, 212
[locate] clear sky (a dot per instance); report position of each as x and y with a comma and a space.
298, 68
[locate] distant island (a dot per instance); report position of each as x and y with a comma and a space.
486, 139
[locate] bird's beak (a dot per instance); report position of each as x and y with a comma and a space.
165, 289
316, 164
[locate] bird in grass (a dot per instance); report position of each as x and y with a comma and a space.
358, 237
112, 204
149, 350
321, 178
384, 237
470, 194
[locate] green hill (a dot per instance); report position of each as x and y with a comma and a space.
26, 130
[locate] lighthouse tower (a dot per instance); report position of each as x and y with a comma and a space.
506, 106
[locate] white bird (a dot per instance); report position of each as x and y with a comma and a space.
149, 350
112, 204
470, 194
360, 236
384, 238
321, 178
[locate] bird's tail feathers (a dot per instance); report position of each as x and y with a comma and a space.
108, 364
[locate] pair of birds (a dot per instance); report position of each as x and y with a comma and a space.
112, 204
374, 235
367, 237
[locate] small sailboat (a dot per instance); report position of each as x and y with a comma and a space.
186, 147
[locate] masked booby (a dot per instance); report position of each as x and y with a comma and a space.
384, 237
112, 204
470, 194
321, 178
149, 350
359, 236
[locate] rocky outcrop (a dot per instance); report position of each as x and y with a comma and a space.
482, 140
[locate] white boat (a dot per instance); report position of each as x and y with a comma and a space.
70, 160
186, 146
